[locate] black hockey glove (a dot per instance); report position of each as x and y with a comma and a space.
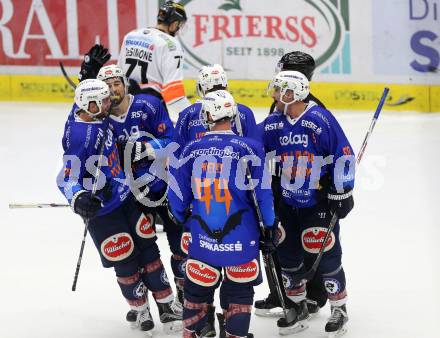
188, 213
85, 204
341, 204
268, 242
94, 59
133, 87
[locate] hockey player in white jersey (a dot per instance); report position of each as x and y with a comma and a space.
153, 58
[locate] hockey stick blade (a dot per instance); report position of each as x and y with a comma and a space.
68, 79
36, 205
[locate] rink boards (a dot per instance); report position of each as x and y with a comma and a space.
336, 95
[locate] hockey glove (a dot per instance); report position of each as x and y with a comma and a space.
94, 59
268, 241
139, 151
85, 204
188, 213
134, 88
341, 204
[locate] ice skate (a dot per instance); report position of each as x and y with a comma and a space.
312, 307
268, 307
141, 320
335, 326
298, 324
170, 318
178, 300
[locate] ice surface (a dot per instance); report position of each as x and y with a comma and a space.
390, 240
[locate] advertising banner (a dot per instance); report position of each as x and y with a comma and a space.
408, 42
353, 42
248, 37
37, 33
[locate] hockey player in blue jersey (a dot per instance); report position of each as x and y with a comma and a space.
317, 180
224, 233
190, 125
316, 293
142, 122
123, 235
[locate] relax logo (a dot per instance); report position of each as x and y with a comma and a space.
249, 39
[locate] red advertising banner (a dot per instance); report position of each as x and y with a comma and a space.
44, 32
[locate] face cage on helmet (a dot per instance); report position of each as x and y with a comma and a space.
274, 86
99, 103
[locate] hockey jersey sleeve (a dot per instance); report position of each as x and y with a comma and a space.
248, 124
180, 134
74, 157
160, 126
171, 65
180, 195
266, 136
262, 189
336, 143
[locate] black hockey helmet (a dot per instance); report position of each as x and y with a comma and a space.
298, 61
170, 12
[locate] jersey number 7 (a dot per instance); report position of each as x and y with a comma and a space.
133, 63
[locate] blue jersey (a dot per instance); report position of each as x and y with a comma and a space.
146, 120
301, 144
190, 125
223, 225
82, 144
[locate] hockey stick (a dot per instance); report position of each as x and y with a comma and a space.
36, 205
68, 79
238, 123
86, 220
269, 264
308, 275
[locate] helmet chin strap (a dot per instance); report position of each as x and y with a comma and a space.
286, 106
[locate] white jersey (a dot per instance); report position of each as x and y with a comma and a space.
154, 60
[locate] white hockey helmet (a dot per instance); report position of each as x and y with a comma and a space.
91, 90
220, 105
290, 80
111, 71
209, 77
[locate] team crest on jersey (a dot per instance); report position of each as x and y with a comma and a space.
139, 290
201, 273
164, 277
185, 241
117, 247
144, 226
287, 280
332, 286
313, 238
280, 234
182, 267
243, 273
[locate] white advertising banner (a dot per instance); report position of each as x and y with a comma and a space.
378, 41
249, 37
406, 39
